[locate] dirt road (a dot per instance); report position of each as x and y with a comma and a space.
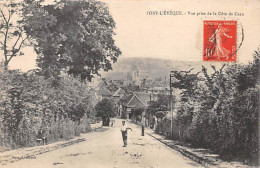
104, 148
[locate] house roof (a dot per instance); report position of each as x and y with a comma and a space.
144, 97
101, 84
133, 101
104, 92
160, 88
124, 97
119, 92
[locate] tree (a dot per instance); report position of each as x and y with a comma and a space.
186, 81
73, 35
105, 109
162, 103
137, 112
219, 110
12, 37
28, 102
159, 107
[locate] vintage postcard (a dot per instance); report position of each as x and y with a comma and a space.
129, 83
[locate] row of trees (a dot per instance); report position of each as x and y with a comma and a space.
29, 102
220, 110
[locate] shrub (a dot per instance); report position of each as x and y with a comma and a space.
105, 109
29, 102
220, 111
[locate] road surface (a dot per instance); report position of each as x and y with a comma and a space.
103, 148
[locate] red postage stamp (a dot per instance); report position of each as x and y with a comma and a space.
219, 41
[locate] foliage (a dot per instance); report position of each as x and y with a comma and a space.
160, 106
29, 102
137, 112
105, 108
12, 37
220, 111
68, 36
73, 35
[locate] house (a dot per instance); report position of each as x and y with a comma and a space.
120, 103
136, 99
103, 93
144, 97
102, 84
119, 93
159, 90
132, 101
118, 83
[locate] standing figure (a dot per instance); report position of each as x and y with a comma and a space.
112, 122
217, 38
41, 137
108, 121
143, 124
124, 130
142, 130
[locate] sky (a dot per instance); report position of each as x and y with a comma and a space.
177, 37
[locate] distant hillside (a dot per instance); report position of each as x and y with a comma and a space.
153, 68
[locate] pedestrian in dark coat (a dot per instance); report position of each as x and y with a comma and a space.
41, 137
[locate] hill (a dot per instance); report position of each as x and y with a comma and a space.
153, 67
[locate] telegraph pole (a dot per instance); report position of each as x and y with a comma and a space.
171, 104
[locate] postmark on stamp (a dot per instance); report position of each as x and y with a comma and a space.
220, 41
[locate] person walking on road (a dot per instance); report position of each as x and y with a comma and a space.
124, 130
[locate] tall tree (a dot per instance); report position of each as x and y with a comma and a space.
105, 109
73, 35
12, 36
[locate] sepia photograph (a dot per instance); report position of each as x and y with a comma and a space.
129, 83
